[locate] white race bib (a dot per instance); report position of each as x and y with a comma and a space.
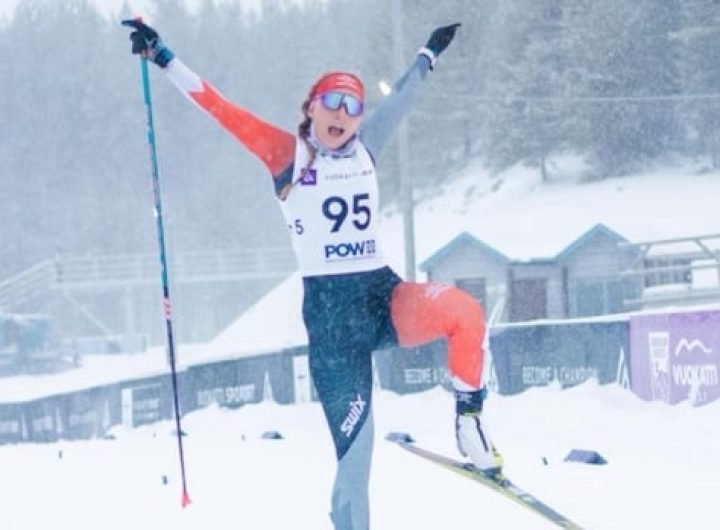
332, 214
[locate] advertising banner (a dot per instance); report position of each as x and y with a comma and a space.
83, 414
11, 424
146, 401
281, 377
42, 420
408, 370
521, 357
676, 357
568, 353
228, 383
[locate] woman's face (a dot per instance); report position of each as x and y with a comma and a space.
333, 128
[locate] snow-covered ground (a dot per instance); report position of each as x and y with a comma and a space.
662, 471
524, 218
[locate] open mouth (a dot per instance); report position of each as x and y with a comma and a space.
335, 132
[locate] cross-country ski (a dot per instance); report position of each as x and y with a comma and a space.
502, 485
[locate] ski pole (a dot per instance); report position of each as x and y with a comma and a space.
164, 270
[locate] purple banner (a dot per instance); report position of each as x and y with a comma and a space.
676, 357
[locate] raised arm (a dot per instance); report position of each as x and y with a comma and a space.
377, 128
274, 147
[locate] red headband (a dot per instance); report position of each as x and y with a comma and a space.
339, 82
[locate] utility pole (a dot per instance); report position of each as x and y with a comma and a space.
406, 190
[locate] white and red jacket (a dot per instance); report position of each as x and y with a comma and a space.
332, 210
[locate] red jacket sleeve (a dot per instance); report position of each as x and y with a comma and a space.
275, 147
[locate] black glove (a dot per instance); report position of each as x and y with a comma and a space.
147, 42
438, 41
441, 38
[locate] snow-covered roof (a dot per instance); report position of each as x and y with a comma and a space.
272, 324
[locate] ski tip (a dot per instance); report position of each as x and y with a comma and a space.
399, 437
185, 499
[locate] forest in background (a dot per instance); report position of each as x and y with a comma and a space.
626, 84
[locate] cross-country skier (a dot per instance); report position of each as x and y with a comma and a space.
325, 181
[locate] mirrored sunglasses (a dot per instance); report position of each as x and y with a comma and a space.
335, 100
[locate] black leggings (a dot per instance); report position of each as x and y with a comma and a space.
347, 317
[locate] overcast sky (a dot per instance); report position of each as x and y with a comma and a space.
112, 7
106, 6
7, 6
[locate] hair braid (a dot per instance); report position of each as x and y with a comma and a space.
304, 134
